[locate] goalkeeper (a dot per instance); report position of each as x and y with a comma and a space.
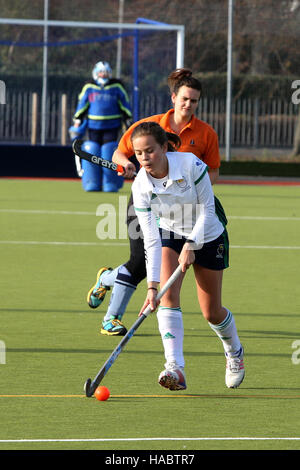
197, 137
102, 106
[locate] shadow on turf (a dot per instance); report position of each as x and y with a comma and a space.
213, 396
276, 334
130, 351
44, 310
89, 311
260, 196
272, 388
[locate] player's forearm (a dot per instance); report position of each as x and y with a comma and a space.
120, 158
152, 245
213, 174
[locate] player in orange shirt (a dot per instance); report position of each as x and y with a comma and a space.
197, 137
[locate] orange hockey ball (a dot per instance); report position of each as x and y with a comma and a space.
102, 393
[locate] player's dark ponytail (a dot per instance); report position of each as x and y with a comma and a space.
174, 141
183, 77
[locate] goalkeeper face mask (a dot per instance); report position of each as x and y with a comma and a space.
102, 73
100, 80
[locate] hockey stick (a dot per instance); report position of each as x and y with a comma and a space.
93, 158
90, 386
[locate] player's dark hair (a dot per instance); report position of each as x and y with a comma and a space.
183, 77
159, 134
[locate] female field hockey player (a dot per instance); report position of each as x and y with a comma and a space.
174, 203
197, 137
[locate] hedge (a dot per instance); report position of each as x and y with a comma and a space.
214, 84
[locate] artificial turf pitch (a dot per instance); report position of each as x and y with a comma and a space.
50, 254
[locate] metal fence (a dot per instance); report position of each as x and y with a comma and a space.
255, 123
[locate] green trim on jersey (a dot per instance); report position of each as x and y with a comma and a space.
146, 209
81, 111
117, 85
124, 109
201, 176
88, 85
226, 250
220, 212
103, 118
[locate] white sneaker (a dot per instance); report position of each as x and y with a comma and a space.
235, 371
172, 377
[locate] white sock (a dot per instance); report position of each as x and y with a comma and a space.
171, 329
227, 332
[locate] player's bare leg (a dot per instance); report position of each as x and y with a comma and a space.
221, 320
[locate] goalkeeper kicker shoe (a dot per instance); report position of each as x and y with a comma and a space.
235, 371
113, 327
172, 377
97, 293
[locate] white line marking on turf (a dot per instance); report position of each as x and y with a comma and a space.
266, 247
158, 439
56, 212
33, 242
252, 217
47, 212
111, 243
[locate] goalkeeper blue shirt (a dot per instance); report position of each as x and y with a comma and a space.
104, 107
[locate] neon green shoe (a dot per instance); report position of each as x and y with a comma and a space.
113, 327
97, 293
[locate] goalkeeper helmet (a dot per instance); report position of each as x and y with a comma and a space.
104, 70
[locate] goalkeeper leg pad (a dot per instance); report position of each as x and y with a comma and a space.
92, 173
111, 182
